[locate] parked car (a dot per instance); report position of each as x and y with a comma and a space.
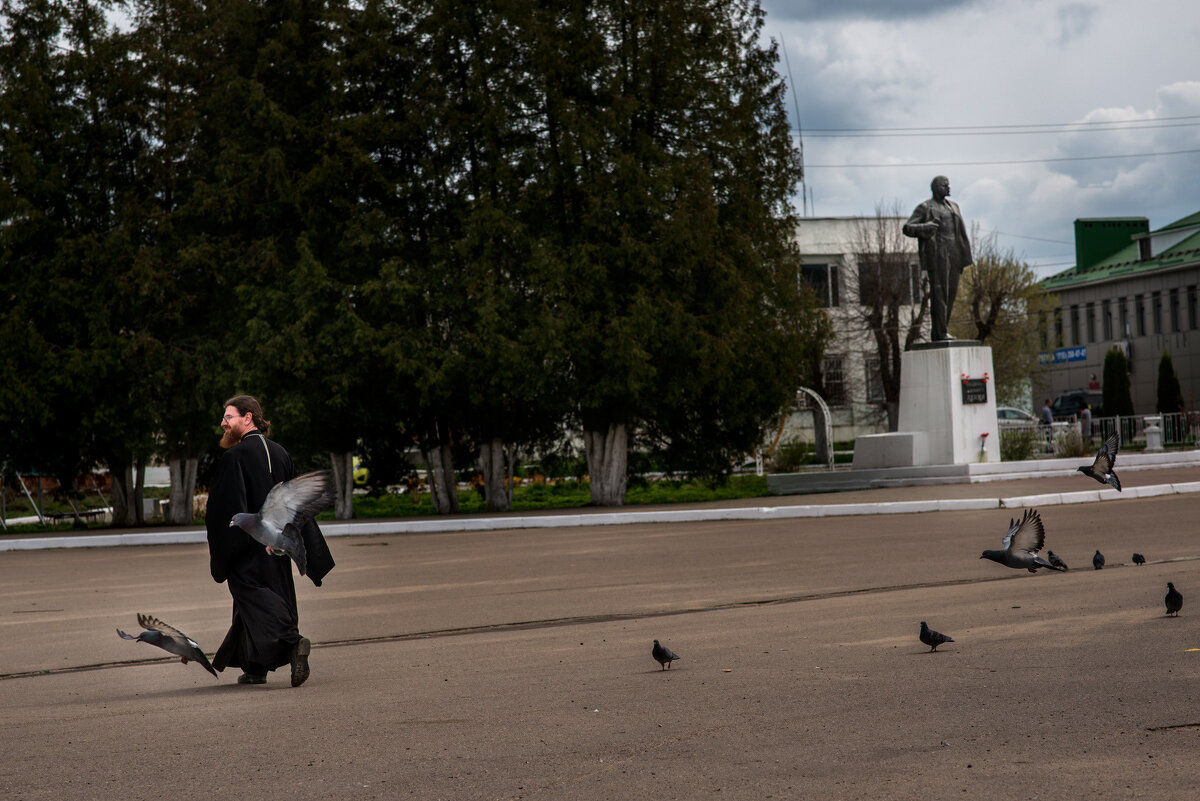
1070, 402
1009, 414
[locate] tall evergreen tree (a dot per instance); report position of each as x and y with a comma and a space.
1169, 393
667, 167
1117, 391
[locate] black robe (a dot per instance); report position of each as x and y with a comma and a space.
265, 617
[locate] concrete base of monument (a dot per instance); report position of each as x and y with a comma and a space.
947, 410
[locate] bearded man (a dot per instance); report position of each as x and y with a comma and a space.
265, 634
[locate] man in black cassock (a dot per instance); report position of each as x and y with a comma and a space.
265, 633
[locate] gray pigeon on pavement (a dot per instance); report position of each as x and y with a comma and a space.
933, 638
1021, 545
1106, 458
1098, 561
1174, 600
1055, 560
1138, 559
170, 639
664, 655
287, 508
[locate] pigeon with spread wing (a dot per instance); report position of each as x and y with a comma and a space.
170, 639
289, 505
1106, 458
1021, 545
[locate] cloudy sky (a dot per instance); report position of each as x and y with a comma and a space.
1014, 100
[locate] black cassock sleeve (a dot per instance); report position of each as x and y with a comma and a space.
226, 497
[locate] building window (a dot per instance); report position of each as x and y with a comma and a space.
888, 282
1174, 309
1156, 311
874, 376
834, 381
1122, 319
1042, 330
1090, 314
1058, 328
1076, 339
1139, 312
1191, 302
1106, 316
823, 279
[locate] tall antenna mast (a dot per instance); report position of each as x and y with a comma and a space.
804, 192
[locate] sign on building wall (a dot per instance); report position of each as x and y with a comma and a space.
1063, 355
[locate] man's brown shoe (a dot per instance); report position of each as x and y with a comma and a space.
300, 653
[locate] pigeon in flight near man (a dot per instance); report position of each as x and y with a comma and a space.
170, 639
933, 638
1098, 560
288, 506
664, 655
1021, 545
1174, 600
1106, 458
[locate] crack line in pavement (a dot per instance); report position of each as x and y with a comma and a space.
548, 623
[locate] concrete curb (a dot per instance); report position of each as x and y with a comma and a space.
367, 528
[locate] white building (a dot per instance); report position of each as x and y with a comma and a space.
833, 253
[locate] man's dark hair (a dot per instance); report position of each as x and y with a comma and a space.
249, 404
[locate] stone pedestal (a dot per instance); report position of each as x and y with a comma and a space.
947, 405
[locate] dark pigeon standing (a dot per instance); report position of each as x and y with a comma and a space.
1021, 545
664, 655
1055, 560
933, 638
1098, 561
1138, 559
170, 639
287, 508
1106, 458
1174, 600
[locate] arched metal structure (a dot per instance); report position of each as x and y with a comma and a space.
824, 414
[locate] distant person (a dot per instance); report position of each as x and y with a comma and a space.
1047, 414
265, 634
1085, 421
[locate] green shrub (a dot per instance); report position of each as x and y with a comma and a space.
1018, 444
790, 455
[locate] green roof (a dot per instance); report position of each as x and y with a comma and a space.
1125, 262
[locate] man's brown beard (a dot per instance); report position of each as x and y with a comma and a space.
229, 439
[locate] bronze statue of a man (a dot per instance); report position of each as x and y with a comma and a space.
944, 250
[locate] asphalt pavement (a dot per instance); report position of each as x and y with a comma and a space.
515, 662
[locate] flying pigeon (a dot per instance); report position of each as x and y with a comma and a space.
1055, 560
1138, 559
287, 508
170, 639
664, 655
1174, 600
1106, 458
933, 638
1098, 561
1021, 545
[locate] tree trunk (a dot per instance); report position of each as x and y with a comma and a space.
181, 500
607, 457
492, 462
440, 463
343, 485
126, 496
